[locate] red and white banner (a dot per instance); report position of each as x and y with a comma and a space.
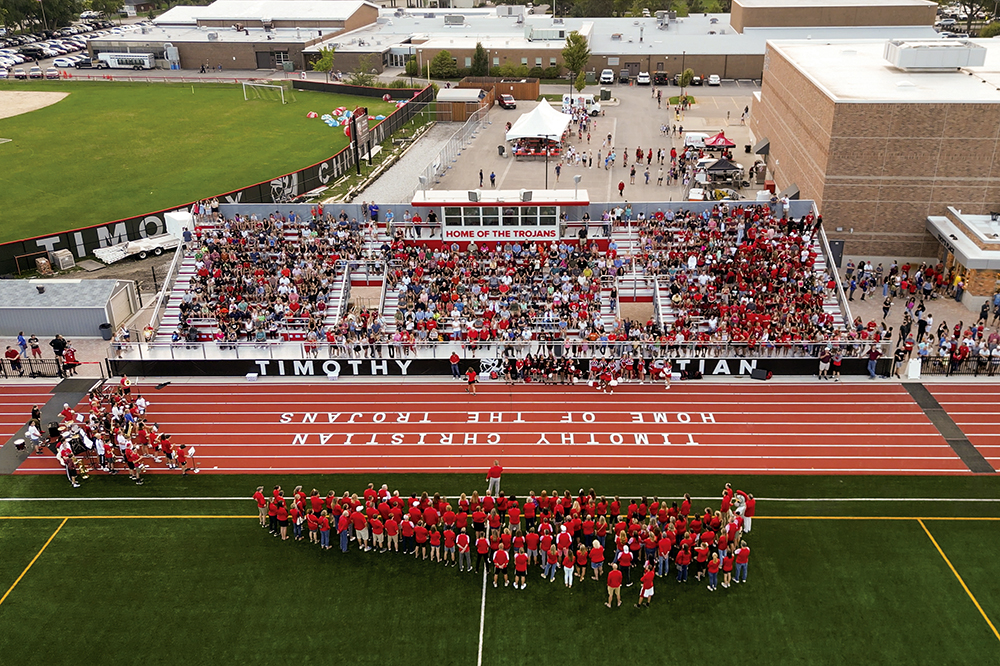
500, 234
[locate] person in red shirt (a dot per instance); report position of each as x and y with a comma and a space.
531, 543
750, 508
597, 559
324, 531
479, 522
682, 561
700, 560
421, 534
500, 561
742, 559
614, 585
282, 516
471, 378
448, 546
360, 524
454, 359
551, 564
261, 505
520, 568
407, 530
378, 532
713, 572
482, 552
435, 543
625, 565
312, 522
493, 478
343, 530
646, 594
567, 564
392, 534
727, 566
464, 551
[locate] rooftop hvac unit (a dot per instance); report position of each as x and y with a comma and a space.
936, 55
213, 36
454, 19
62, 260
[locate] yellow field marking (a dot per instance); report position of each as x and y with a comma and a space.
4, 597
112, 517
964, 586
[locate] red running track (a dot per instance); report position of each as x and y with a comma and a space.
15, 406
975, 408
410, 427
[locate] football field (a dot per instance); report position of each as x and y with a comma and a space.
843, 570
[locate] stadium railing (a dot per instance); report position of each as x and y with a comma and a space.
37, 367
187, 351
156, 317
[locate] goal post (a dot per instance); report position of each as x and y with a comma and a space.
263, 91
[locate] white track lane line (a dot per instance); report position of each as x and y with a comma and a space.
482, 621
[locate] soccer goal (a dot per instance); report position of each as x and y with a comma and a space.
263, 91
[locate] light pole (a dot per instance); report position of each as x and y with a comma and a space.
420, 61
683, 58
546, 136
45, 25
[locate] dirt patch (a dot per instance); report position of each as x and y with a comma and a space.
140, 270
16, 102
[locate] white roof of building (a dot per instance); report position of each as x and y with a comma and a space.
459, 95
856, 71
696, 35
965, 249
835, 3
278, 10
187, 34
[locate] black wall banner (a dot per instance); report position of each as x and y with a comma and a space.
407, 367
282, 189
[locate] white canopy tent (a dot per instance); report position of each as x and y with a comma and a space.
541, 122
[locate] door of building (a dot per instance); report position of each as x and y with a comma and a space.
264, 60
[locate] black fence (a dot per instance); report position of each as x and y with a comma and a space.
359, 91
282, 189
29, 367
974, 366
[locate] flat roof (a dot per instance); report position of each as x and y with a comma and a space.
968, 253
186, 34
834, 3
59, 293
539, 197
283, 10
856, 71
703, 34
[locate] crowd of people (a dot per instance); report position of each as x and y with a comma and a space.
622, 541
112, 436
18, 361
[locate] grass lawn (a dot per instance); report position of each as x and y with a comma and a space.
114, 150
222, 591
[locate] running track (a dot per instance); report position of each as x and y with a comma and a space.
975, 408
402, 427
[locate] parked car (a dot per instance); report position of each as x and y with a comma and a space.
19, 73
624, 76
3, 72
660, 78
52, 73
607, 76
63, 62
714, 80
643, 79
36, 73
507, 102
697, 80
944, 23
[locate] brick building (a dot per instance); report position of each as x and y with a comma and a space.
882, 142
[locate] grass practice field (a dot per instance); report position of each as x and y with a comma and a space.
112, 150
197, 581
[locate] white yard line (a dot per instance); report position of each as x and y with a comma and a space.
482, 622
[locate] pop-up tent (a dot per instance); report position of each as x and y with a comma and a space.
542, 122
723, 166
719, 141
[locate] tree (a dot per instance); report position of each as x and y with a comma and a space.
412, 67
686, 77
581, 82
990, 30
365, 75
443, 66
107, 7
480, 61
325, 62
576, 54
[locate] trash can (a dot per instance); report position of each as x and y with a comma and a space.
500, 150
105, 329
288, 66
605, 94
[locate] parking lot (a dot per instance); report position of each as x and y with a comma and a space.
632, 119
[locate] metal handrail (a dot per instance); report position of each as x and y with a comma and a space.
841, 296
156, 317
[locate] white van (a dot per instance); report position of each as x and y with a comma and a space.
570, 102
695, 139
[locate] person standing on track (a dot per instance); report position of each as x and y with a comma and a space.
472, 378
454, 359
493, 478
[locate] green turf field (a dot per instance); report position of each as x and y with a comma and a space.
214, 588
115, 150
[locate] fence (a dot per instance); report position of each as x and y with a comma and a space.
451, 150
974, 366
30, 367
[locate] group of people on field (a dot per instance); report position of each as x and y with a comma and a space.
620, 541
